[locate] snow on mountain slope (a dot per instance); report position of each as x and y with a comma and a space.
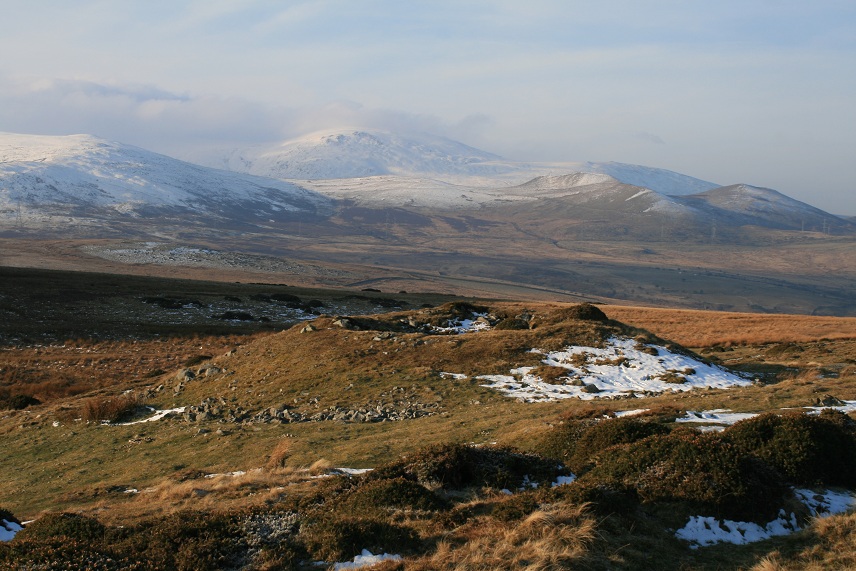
342, 154
765, 207
549, 183
355, 153
411, 192
81, 176
662, 180
601, 192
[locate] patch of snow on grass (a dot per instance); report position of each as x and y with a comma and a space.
352, 471
234, 474
826, 503
716, 416
724, 417
562, 480
455, 376
848, 406
159, 414
702, 531
465, 325
8, 529
365, 559
620, 369
634, 412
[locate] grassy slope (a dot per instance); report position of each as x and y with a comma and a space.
77, 465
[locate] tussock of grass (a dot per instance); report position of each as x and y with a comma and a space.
111, 409
552, 538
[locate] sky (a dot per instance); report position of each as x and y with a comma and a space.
752, 91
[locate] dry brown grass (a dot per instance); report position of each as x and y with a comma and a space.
694, 328
551, 538
280, 453
833, 547
53, 372
110, 409
210, 493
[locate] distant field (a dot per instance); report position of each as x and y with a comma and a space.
788, 273
708, 328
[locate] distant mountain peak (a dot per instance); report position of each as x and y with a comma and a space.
74, 177
355, 153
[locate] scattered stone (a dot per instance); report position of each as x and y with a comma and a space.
185, 375
209, 370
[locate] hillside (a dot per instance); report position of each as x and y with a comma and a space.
82, 181
766, 207
495, 431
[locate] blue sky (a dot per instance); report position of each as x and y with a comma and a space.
762, 92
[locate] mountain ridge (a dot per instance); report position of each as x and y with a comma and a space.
80, 176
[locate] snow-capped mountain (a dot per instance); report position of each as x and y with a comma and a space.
347, 154
765, 207
80, 176
360, 153
46, 182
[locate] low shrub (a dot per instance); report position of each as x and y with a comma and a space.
396, 493
511, 324
807, 449
576, 442
582, 312
64, 553
64, 525
185, 541
18, 402
602, 499
338, 538
704, 469
458, 466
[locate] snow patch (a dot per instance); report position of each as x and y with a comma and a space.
459, 326
622, 368
634, 412
562, 480
702, 531
716, 416
159, 414
365, 559
724, 417
827, 503
352, 471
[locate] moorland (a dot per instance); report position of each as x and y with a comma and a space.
167, 423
